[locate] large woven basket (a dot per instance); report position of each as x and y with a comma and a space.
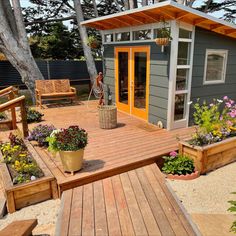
107, 117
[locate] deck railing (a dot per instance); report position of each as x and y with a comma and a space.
11, 104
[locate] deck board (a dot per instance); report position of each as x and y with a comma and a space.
127, 204
132, 144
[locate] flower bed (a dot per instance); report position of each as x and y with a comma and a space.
26, 179
214, 143
5, 123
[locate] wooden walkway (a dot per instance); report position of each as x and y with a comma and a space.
133, 144
137, 202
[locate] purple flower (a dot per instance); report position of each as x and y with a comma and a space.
228, 104
225, 98
173, 154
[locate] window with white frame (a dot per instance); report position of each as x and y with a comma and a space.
215, 66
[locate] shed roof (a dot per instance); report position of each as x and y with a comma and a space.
167, 10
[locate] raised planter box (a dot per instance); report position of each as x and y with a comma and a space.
21, 195
5, 125
212, 156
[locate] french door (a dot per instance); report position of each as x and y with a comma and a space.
132, 80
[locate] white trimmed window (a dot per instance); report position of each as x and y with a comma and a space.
215, 66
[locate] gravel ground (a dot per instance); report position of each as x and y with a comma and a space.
46, 213
209, 193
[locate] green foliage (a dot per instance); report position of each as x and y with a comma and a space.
233, 209
33, 115
22, 166
70, 139
178, 165
2, 116
56, 42
93, 42
164, 33
215, 121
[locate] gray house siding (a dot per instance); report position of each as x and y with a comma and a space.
159, 74
209, 40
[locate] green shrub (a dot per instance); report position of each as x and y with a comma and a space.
2, 116
178, 165
233, 209
33, 115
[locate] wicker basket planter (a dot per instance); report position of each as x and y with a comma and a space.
107, 117
212, 156
162, 41
25, 194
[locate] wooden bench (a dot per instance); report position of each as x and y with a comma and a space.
53, 90
19, 228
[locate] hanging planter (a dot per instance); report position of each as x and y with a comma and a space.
164, 36
93, 42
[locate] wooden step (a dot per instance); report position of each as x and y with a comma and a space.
19, 228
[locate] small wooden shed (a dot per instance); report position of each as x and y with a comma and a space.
157, 83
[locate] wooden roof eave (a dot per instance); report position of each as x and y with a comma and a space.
163, 11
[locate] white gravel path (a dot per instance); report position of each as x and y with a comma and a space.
209, 193
46, 213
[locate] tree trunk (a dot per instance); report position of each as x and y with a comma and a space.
133, 4
84, 39
14, 44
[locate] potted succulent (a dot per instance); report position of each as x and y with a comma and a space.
163, 36
70, 144
93, 42
177, 166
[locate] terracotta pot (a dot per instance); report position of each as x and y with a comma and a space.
194, 175
162, 41
72, 160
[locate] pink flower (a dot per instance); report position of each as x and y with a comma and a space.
225, 98
228, 104
232, 114
173, 154
229, 123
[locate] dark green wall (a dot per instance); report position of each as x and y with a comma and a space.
159, 70
209, 40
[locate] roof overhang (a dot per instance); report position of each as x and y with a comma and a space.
167, 10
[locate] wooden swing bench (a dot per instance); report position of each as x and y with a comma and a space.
53, 90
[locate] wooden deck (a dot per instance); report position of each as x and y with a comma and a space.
137, 202
132, 144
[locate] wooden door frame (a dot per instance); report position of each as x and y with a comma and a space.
130, 107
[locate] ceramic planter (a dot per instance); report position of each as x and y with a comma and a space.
72, 160
210, 157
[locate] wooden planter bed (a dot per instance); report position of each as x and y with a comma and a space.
6, 125
212, 156
25, 194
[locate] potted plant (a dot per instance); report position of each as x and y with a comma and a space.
213, 143
70, 144
177, 166
163, 36
93, 42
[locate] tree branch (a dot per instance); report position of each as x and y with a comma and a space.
50, 20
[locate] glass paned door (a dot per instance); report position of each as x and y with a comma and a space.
140, 82
122, 79
132, 80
